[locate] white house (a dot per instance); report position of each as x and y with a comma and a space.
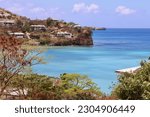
77, 26
15, 93
7, 23
38, 28
17, 34
64, 34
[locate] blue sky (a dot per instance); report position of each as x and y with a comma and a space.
100, 13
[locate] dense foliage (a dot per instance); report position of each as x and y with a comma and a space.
69, 86
134, 86
35, 87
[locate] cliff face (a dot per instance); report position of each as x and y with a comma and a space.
87, 41
84, 38
79, 36
45, 32
78, 42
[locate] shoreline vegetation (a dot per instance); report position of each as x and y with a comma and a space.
16, 60
18, 82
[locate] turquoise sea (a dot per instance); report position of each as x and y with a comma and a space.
113, 49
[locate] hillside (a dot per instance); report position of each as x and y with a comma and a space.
5, 14
44, 32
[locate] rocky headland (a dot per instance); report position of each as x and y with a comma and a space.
44, 32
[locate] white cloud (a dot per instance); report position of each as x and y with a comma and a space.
5, 1
16, 8
125, 10
82, 7
31, 10
40, 12
44, 11
37, 10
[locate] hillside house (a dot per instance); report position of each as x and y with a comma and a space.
18, 35
38, 28
77, 26
7, 23
64, 34
15, 93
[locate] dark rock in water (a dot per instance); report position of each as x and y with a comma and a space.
100, 28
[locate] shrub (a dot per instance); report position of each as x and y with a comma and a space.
134, 86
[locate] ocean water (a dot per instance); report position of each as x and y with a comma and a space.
113, 49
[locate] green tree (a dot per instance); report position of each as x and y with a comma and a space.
26, 27
49, 22
37, 87
19, 23
134, 86
78, 86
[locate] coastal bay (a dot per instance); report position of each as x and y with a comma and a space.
113, 49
